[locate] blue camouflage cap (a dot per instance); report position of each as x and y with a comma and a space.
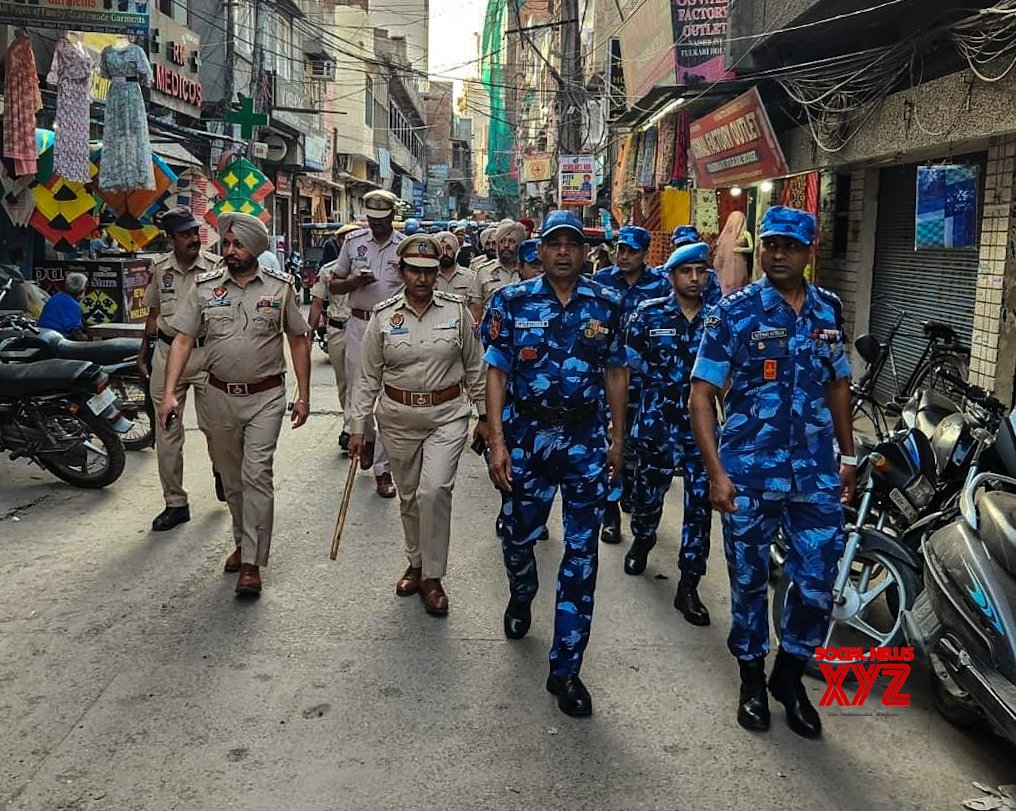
634, 237
780, 221
558, 220
527, 251
694, 252
685, 235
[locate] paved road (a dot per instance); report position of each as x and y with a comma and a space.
130, 678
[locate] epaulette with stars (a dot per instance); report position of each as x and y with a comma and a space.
388, 302
207, 275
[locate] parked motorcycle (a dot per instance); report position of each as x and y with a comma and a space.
63, 415
23, 342
964, 623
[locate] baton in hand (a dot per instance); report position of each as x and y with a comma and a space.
347, 492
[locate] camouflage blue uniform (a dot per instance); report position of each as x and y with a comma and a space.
662, 344
653, 283
554, 357
777, 447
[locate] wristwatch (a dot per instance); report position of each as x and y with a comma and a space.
848, 460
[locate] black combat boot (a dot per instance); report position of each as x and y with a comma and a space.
753, 703
786, 687
687, 600
611, 532
638, 555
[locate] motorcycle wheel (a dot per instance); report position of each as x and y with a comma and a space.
957, 708
878, 590
132, 400
103, 452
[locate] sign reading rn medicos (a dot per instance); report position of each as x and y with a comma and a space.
116, 16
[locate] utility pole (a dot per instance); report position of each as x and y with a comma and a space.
227, 87
570, 96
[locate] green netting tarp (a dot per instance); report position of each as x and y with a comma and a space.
501, 139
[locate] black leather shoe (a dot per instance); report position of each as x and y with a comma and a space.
638, 555
220, 488
517, 619
544, 535
687, 600
170, 517
752, 702
786, 687
572, 696
611, 532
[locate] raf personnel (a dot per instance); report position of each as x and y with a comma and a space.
493, 277
451, 277
663, 338
368, 270
776, 347
243, 309
337, 314
555, 343
635, 282
173, 277
529, 259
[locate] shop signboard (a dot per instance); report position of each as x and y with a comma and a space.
536, 168
115, 292
175, 53
110, 16
615, 80
735, 145
317, 147
700, 31
576, 180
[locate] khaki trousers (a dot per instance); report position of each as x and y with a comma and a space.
243, 433
355, 329
337, 356
424, 446
169, 444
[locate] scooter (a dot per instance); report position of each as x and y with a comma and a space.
964, 623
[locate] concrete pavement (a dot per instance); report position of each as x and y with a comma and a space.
130, 678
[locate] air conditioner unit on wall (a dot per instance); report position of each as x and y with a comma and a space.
322, 69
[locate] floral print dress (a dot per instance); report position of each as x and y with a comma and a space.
126, 150
22, 100
71, 72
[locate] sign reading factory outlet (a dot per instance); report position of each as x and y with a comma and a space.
175, 52
735, 145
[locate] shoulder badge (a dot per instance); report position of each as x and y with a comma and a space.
388, 302
207, 275
277, 274
449, 296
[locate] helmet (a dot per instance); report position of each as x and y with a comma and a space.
411, 226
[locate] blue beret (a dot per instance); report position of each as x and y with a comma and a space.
695, 252
780, 221
561, 219
634, 237
685, 235
527, 251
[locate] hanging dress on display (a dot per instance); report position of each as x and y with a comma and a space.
22, 100
126, 150
71, 72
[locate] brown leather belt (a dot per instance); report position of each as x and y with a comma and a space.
363, 315
337, 323
243, 389
423, 398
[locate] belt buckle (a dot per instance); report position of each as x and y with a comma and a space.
421, 398
236, 389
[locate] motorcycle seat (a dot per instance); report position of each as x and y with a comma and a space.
997, 513
112, 350
940, 332
43, 377
932, 409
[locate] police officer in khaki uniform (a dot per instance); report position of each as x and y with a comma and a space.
368, 270
173, 277
493, 277
451, 277
337, 314
488, 247
419, 347
244, 309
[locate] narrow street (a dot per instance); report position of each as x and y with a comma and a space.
130, 677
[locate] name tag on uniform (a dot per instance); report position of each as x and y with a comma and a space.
523, 324
768, 334
654, 332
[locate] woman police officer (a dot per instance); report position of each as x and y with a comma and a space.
419, 348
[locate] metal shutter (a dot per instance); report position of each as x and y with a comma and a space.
939, 285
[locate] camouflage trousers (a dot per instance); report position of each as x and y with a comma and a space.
574, 459
813, 523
